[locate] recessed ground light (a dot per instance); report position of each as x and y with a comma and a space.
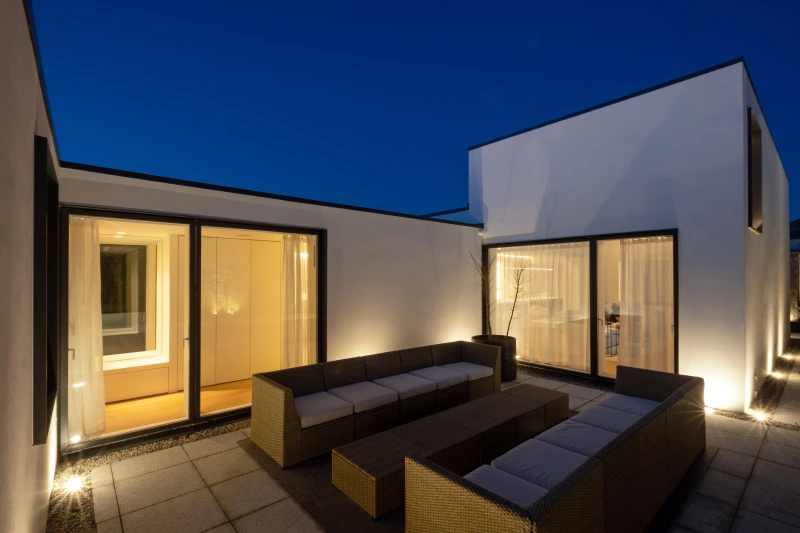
516, 357
78, 385
759, 415
73, 484
709, 410
75, 439
778, 375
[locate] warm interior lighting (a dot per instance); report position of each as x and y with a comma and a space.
758, 415
303, 255
778, 375
710, 410
73, 484
122, 233
117, 236
75, 439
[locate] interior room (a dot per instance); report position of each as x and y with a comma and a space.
258, 310
128, 316
129, 319
550, 319
635, 304
544, 292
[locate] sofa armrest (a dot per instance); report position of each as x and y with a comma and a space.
439, 501
648, 384
483, 354
576, 503
275, 423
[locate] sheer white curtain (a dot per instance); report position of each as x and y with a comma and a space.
646, 306
298, 346
551, 320
86, 395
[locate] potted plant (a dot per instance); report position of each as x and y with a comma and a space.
507, 343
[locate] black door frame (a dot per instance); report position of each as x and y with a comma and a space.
194, 422
593, 315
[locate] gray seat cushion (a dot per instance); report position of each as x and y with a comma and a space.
539, 463
406, 385
607, 419
503, 484
365, 395
472, 370
629, 404
443, 377
576, 437
321, 407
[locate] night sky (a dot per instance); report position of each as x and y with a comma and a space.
375, 103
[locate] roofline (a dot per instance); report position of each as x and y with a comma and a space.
623, 98
447, 211
35, 43
248, 192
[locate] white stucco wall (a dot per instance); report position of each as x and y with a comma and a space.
393, 282
766, 259
27, 470
670, 158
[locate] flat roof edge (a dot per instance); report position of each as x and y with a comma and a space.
618, 100
248, 192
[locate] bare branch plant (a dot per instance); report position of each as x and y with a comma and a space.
486, 273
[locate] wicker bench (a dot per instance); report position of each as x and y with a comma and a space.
617, 488
371, 471
411, 384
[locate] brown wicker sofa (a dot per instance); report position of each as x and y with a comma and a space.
303, 412
618, 488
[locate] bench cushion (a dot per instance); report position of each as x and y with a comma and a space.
472, 370
406, 385
443, 377
321, 407
365, 395
607, 419
629, 404
539, 463
576, 437
503, 484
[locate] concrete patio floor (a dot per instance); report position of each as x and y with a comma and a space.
753, 483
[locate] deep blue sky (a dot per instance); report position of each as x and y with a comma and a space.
375, 103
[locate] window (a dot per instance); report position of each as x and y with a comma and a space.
45, 290
755, 199
126, 295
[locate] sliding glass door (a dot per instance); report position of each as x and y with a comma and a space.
544, 295
144, 353
636, 307
541, 296
258, 294
128, 285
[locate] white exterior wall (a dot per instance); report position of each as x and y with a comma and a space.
392, 282
670, 158
766, 259
27, 470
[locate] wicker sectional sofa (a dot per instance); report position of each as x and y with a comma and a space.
303, 412
609, 468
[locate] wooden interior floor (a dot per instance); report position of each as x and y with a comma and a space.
164, 408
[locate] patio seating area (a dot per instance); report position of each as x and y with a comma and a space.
213, 484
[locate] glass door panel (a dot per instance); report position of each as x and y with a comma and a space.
635, 299
540, 294
258, 310
124, 356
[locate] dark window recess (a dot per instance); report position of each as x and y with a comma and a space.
45, 290
755, 214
